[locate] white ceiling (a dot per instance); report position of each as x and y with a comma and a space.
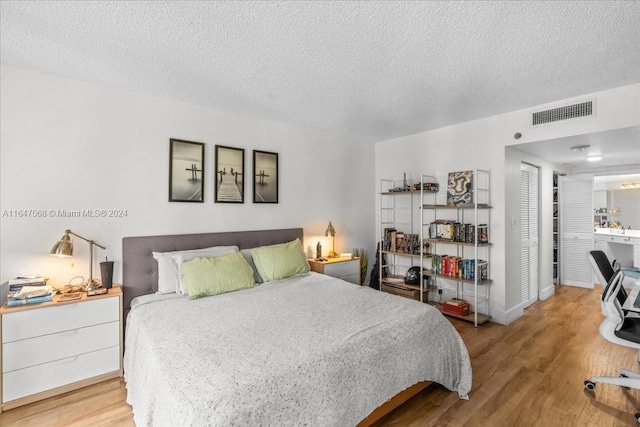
618, 148
369, 70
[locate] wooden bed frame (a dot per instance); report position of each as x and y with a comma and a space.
140, 277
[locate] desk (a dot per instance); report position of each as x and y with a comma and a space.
623, 247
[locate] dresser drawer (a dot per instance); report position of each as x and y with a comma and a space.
623, 240
24, 382
352, 278
342, 269
48, 348
65, 317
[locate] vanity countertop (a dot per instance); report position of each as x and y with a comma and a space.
617, 232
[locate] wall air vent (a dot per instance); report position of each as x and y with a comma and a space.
563, 113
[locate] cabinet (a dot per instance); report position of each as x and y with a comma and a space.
460, 246
622, 248
345, 268
55, 347
602, 219
402, 246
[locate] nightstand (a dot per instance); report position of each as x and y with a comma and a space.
55, 347
345, 268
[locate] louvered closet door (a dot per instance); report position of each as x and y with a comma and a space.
576, 225
529, 234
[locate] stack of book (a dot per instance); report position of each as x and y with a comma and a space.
29, 290
456, 306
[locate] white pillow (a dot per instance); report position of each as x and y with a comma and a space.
168, 274
249, 258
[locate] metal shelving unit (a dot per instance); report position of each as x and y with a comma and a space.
397, 211
475, 289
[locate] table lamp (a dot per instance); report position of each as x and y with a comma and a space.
64, 248
331, 232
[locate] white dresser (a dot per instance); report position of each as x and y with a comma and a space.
345, 268
55, 347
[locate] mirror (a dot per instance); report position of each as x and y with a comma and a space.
617, 198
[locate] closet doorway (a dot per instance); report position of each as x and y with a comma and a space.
529, 230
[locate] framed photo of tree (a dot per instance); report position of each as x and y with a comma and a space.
186, 171
229, 186
265, 177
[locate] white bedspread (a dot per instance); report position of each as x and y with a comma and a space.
311, 350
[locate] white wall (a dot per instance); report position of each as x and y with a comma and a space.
481, 144
628, 202
513, 159
67, 144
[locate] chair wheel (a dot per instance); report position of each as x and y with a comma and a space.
589, 385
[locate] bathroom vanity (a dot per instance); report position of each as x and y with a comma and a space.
620, 245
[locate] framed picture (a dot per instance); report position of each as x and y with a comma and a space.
460, 188
265, 177
186, 171
229, 175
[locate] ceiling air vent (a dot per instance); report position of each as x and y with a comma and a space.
563, 113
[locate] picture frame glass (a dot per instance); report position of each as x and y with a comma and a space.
265, 177
229, 185
186, 171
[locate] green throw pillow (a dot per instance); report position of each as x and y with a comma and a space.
280, 261
212, 276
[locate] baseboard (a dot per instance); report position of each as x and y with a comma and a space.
579, 285
504, 318
514, 314
546, 293
498, 317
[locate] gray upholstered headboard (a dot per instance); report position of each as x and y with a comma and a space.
140, 269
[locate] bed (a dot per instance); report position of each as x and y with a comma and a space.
303, 350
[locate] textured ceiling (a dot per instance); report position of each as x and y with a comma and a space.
370, 70
616, 147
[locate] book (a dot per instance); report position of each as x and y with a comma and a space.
483, 233
30, 292
28, 280
460, 308
12, 302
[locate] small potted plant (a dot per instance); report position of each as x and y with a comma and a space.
364, 263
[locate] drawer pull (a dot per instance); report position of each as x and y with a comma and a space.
69, 333
69, 359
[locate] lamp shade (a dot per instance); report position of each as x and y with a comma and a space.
330, 232
64, 246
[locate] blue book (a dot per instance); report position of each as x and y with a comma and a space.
12, 302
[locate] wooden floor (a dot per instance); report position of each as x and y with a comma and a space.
529, 373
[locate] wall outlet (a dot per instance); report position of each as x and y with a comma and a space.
439, 291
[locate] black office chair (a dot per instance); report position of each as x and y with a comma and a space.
605, 271
618, 329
